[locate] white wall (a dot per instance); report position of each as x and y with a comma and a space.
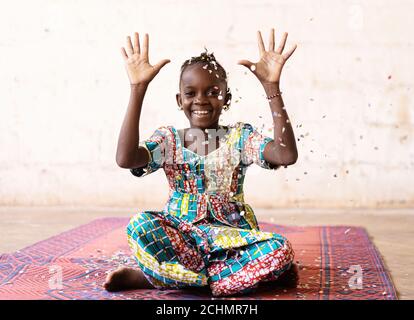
64, 93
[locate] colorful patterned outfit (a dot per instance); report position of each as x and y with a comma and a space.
206, 233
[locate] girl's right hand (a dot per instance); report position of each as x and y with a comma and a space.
139, 70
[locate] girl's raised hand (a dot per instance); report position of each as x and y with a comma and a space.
271, 62
139, 70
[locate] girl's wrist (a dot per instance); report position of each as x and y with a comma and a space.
271, 88
141, 85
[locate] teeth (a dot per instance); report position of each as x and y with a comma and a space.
201, 112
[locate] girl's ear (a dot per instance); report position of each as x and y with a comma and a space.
178, 98
228, 97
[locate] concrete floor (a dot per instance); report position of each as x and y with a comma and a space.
391, 230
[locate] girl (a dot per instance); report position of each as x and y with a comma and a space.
206, 235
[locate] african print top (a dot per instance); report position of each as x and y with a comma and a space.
210, 187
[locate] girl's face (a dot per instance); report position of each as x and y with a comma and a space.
202, 96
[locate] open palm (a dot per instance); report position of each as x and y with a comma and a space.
269, 67
139, 70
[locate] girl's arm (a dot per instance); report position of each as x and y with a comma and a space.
140, 73
282, 151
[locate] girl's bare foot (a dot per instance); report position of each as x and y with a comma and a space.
126, 278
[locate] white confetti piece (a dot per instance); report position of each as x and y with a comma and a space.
347, 230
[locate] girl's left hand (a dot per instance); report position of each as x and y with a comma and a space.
271, 62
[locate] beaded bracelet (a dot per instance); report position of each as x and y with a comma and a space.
274, 96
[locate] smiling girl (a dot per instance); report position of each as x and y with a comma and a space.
206, 235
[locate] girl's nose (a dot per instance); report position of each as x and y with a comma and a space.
200, 99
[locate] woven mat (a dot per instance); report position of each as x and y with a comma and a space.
73, 266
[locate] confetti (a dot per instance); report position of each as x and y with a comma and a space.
220, 97
253, 67
205, 67
347, 230
283, 129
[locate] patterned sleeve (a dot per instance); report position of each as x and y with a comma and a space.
155, 146
253, 145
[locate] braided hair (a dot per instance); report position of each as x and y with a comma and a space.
210, 64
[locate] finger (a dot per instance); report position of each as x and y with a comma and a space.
282, 43
145, 48
160, 64
129, 48
260, 43
289, 53
246, 63
272, 40
137, 49
124, 54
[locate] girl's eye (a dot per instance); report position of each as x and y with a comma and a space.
188, 93
214, 93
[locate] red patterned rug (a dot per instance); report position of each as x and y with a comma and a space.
335, 263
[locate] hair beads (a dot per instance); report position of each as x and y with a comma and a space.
210, 64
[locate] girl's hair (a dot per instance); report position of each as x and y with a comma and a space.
211, 64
